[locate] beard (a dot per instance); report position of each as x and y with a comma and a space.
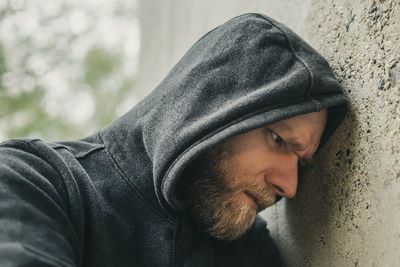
213, 197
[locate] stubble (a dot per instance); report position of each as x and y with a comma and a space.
212, 198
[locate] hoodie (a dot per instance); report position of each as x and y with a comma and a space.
110, 199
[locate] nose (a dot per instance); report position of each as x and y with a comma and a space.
285, 177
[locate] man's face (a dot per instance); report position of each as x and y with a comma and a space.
243, 175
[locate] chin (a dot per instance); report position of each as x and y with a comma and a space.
234, 223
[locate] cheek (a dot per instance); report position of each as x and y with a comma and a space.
248, 158
232, 172
236, 176
255, 162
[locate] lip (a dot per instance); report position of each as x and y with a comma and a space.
252, 199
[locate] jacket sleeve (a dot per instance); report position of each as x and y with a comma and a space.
35, 229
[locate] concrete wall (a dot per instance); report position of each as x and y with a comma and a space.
347, 211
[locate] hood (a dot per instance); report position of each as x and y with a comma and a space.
244, 74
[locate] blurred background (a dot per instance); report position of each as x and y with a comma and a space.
67, 67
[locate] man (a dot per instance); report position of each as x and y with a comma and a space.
244, 174
178, 180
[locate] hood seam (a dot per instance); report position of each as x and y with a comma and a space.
299, 58
136, 190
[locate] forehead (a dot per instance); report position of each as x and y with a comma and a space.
303, 132
309, 121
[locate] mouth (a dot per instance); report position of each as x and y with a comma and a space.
252, 199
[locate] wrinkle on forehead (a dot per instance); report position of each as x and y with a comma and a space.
290, 135
302, 132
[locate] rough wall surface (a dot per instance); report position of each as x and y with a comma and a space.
347, 210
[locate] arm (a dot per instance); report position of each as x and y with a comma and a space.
35, 229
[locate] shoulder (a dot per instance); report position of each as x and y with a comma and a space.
28, 155
28, 166
25, 156
24, 150
35, 207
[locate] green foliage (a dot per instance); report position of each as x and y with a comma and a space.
2, 65
45, 82
99, 64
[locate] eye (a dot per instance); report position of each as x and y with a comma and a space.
277, 139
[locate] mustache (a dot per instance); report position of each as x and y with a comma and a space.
262, 195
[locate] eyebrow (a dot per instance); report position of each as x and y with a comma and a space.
294, 141
286, 127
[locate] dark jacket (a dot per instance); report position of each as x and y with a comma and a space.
110, 199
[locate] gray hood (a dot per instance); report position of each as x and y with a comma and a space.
244, 74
